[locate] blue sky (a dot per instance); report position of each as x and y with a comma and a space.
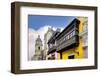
38, 21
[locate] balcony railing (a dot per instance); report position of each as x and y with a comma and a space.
67, 43
53, 48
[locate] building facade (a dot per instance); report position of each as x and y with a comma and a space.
38, 49
71, 43
52, 54
84, 35
47, 36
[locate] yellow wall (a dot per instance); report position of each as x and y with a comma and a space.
78, 52
58, 56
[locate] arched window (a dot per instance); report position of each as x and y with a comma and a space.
39, 47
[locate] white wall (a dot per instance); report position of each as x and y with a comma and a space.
5, 33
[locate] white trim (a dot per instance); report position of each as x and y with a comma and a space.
25, 64
71, 54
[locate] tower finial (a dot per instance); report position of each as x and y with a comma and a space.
38, 36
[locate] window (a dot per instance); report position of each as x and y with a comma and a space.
64, 38
71, 56
85, 27
50, 45
55, 43
68, 36
39, 48
73, 33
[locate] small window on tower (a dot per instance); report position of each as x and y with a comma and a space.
39, 48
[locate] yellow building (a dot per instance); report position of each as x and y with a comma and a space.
74, 50
68, 44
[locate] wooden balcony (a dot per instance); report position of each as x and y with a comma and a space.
68, 44
52, 49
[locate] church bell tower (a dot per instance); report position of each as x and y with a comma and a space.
38, 49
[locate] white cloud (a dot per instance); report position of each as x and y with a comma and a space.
33, 34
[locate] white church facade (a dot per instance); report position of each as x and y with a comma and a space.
40, 50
